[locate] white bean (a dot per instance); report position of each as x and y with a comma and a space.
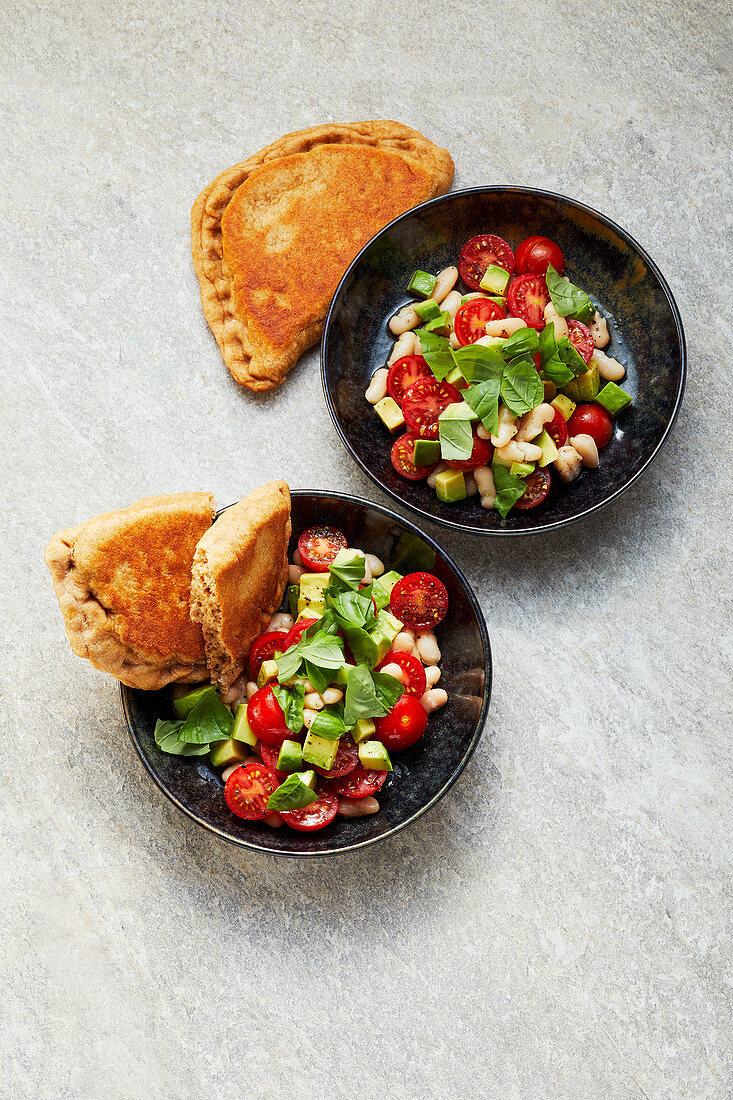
427, 647
357, 807
251, 689
297, 560
599, 328
609, 369
375, 564
519, 452
230, 695
568, 463
404, 319
314, 700
377, 387
504, 328
561, 325
332, 695
432, 675
230, 771
587, 448
273, 820
417, 350
294, 574
485, 482
403, 643
436, 471
309, 717
454, 342
533, 422
433, 699
416, 652
507, 427
451, 304
471, 487
393, 669
405, 345
444, 283
281, 621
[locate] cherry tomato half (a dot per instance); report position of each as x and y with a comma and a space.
581, 337
424, 402
318, 546
248, 789
297, 630
527, 297
316, 816
347, 757
266, 717
269, 754
264, 648
478, 253
362, 782
535, 254
403, 458
473, 317
420, 601
404, 725
480, 456
557, 429
591, 420
403, 373
538, 486
412, 672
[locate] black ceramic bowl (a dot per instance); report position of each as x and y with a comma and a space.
421, 774
601, 257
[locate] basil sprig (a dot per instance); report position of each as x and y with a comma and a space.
521, 387
329, 723
292, 794
166, 738
508, 490
292, 701
569, 300
209, 721
484, 400
455, 431
437, 353
369, 694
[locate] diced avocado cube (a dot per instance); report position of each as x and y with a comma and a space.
456, 379
495, 279
319, 751
440, 325
585, 386
426, 451
450, 485
547, 445
185, 704
290, 757
427, 311
497, 461
341, 675
585, 314
372, 754
564, 405
363, 730
313, 593
268, 672
613, 398
241, 729
293, 593
390, 414
346, 555
309, 778
422, 283
473, 294
550, 389
498, 300
224, 753
388, 580
521, 469
385, 630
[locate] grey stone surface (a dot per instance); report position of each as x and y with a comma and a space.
557, 927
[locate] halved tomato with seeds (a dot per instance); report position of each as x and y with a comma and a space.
581, 337
316, 815
318, 546
478, 253
347, 757
403, 458
420, 601
247, 790
527, 297
424, 402
473, 317
557, 429
538, 486
403, 373
412, 673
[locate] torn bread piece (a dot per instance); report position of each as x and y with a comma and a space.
240, 570
123, 583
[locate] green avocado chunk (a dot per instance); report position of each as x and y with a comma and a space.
440, 325
521, 469
313, 593
390, 414
426, 452
422, 283
547, 445
427, 311
388, 580
385, 631
564, 406
585, 386
372, 754
450, 485
456, 378
290, 757
241, 729
224, 753
319, 751
613, 398
363, 730
495, 279
187, 702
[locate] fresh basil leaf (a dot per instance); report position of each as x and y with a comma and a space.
362, 645
456, 438
347, 575
166, 738
524, 342
484, 400
324, 650
388, 688
521, 388
319, 677
477, 362
362, 700
508, 490
569, 300
288, 663
437, 353
292, 794
209, 721
292, 701
352, 608
571, 357
552, 366
329, 723
376, 593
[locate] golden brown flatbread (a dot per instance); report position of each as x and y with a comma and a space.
239, 574
272, 236
123, 582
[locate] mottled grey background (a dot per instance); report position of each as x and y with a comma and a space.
556, 928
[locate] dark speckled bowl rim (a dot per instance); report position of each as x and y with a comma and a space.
470, 748
455, 525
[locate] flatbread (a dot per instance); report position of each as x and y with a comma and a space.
272, 236
240, 570
123, 583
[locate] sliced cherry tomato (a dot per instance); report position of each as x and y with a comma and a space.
403, 373
478, 253
404, 725
420, 601
361, 782
315, 816
480, 456
538, 486
403, 458
412, 671
424, 402
318, 546
266, 717
297, 630
346, 760
248, 789
472, 319
591, 420
527, 297
581, 337
536, 253
557, 429
264, 648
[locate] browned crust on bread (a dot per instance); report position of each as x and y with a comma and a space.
217, 289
